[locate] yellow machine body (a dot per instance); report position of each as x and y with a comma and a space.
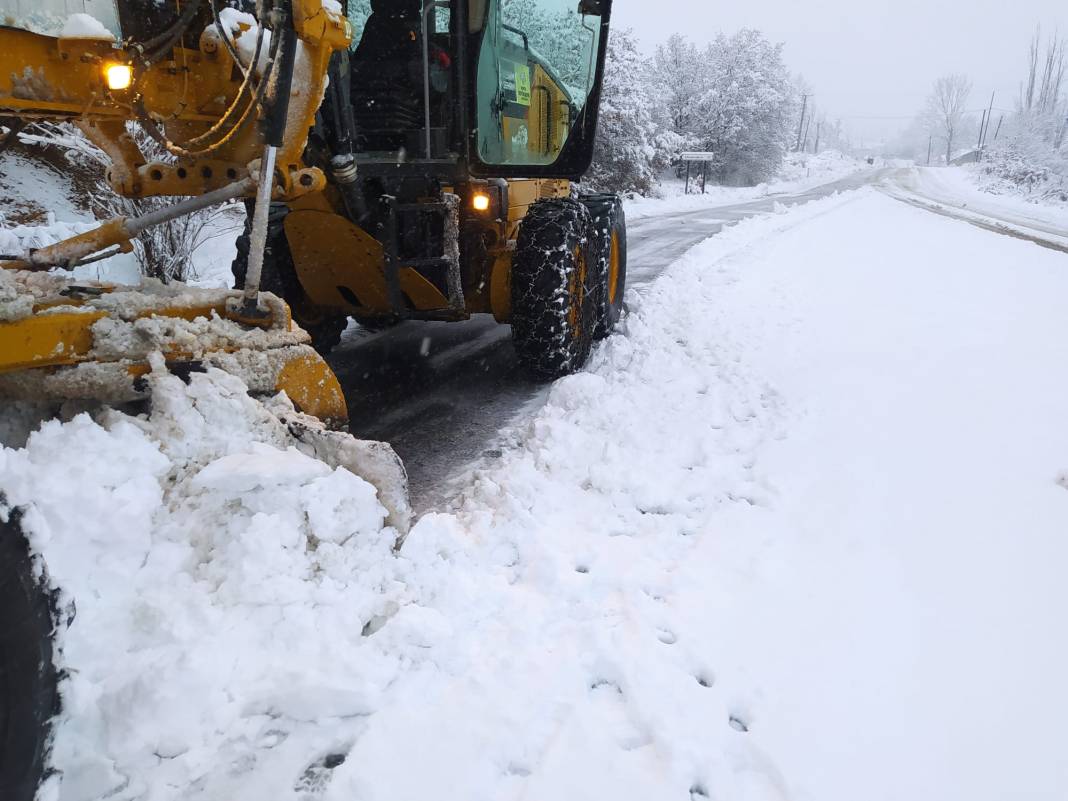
329, 251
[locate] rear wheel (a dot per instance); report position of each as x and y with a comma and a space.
610, 243
554, 288
29, 697
279, 276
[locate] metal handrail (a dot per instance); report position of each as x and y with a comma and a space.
427, 9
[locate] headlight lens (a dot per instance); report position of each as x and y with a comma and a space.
118, 76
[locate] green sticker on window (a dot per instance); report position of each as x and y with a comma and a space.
522, 84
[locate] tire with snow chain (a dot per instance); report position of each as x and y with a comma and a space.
610, 247
554, 288
279, 276
29, 695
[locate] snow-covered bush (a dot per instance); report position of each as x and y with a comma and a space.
1030, 155
631, 149
1024, 158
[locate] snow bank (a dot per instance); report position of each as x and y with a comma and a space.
218, 577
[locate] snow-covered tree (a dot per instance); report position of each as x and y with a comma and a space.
676, 79
945, 109
747, 109
632, 148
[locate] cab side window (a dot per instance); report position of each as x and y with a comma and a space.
535, 72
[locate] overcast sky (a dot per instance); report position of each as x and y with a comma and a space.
869, 60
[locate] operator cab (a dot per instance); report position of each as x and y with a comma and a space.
484, 81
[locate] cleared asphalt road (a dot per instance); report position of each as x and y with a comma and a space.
441, 392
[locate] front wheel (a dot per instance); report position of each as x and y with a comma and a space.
554, 303
610, 241
29, 696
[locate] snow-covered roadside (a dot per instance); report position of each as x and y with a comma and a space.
958, 187
795, 533
800, 172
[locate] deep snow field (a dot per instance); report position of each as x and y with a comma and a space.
797, 532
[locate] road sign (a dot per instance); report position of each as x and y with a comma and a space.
702, 156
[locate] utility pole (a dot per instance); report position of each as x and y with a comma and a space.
982, 140
807, 127
979, 144
997, 130
930, 143
816, 147
801, 124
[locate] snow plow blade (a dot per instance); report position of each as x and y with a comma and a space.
83, 341
86, 341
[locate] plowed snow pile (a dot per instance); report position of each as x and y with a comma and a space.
795, 533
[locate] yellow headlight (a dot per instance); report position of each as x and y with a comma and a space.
119, 76
480, 201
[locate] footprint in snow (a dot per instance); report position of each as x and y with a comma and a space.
738, 724
316, 777
666, 636
705, 679
598, 684
272, 738
698, 792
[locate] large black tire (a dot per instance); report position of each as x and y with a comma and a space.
554, 282
610, 247
29, 695
279, 276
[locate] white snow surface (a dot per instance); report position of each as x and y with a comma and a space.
796, 532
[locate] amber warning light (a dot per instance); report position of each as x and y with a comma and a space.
480, 201
119, 76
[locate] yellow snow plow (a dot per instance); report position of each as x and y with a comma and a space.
226, 98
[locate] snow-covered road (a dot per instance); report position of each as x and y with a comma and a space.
797, 532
